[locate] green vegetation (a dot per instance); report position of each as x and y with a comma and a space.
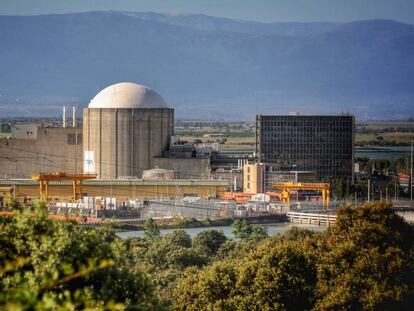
48, 265
228, 134
365, 262
383, 177
244, 231
384, 133
151, 230
210, 240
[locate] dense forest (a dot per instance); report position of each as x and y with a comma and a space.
364, 262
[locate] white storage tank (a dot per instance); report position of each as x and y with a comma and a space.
158, 174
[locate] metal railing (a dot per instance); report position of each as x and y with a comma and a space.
312, 218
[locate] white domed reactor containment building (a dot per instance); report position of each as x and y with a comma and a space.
125, 126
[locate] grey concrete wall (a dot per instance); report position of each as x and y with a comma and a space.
24, 131
54, 150
125, 141
185, 168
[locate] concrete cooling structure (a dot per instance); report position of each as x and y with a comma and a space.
125, 126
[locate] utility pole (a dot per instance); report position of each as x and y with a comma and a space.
76, 150
297, 191
296, 181
14, 180
369, 189
74, 125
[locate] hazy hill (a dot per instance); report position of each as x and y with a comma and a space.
205, 22
208, 67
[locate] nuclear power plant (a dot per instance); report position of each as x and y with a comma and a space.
125, 127
125, 149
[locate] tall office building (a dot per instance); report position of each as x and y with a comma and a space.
324, 144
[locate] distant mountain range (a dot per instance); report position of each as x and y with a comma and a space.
208, 67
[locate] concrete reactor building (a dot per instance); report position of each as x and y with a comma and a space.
125, 127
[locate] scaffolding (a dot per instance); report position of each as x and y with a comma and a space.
286, 187
76, 179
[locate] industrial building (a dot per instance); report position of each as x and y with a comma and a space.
32, 148
260, 177
324, 144
125, 126
122, 189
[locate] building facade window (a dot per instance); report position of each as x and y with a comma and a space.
309, 143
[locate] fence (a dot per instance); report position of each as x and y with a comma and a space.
312, 218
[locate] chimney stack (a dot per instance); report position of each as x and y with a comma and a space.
64, 116
74, 116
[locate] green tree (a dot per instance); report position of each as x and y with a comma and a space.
151, 230
226, 249
135, 251
181, 258
273, 277
296, 234
49, 264
174, 251
211, 289
259, 232
340, 188
367, 261
166, 258
364, 262
178, 238
361, 189
278, 276
242, 230
210, 240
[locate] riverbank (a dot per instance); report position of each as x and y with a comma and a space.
186, 223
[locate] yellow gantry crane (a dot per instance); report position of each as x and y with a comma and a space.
76, 179
286, 187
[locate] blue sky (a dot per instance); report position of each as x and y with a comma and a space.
259, 10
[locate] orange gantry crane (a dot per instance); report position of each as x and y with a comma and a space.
286, 187
76, 179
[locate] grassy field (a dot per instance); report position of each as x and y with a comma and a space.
387, 125
241, 135
385, 133
397, 138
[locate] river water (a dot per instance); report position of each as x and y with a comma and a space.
271, 230
386, 152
